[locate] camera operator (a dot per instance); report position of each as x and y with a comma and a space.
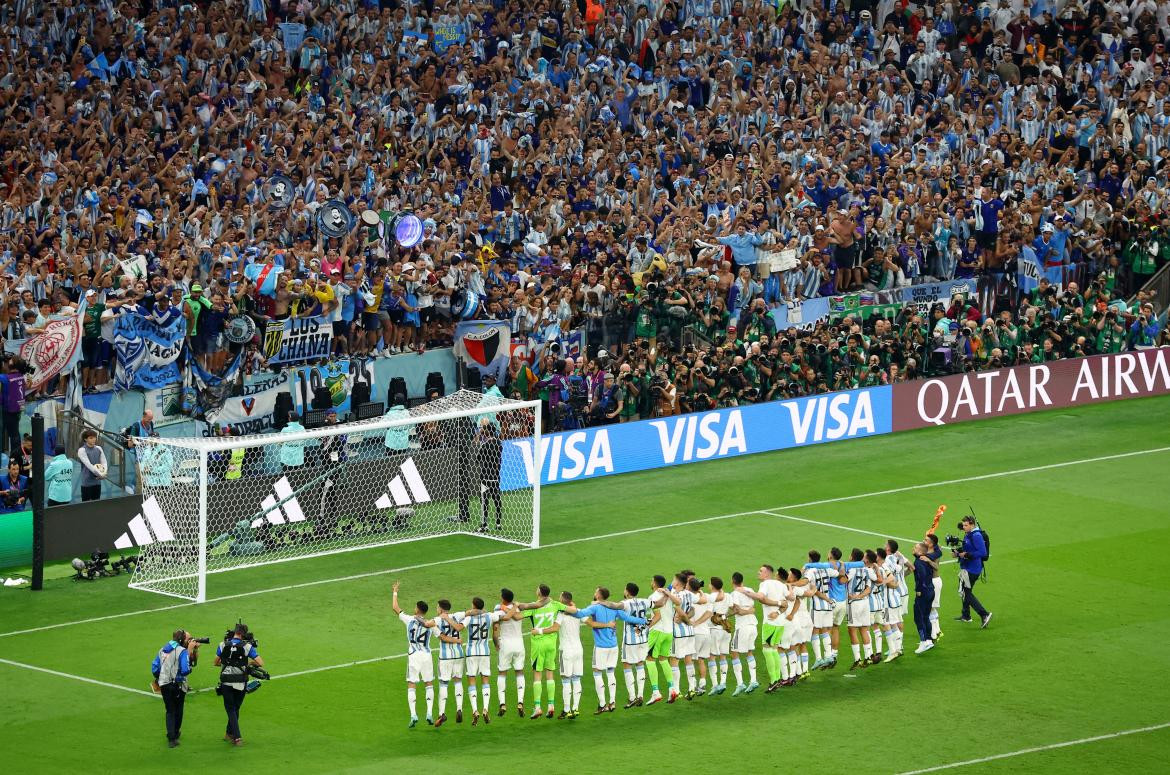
971, 556
610, 402
170, 668
234, 656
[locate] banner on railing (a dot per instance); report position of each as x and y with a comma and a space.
147, 351
806, 314
297, 340
338, 378
485, 345
53, 351
254, 410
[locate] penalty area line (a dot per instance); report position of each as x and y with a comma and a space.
81, 678
1038, 749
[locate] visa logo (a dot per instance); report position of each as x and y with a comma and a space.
831, 417
700, 437
566, 456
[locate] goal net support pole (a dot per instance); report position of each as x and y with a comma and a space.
464, 464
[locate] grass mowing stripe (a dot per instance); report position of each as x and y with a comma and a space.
1038, 748
588, 538
81, 678
837, 527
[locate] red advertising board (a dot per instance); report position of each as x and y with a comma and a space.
1021, 389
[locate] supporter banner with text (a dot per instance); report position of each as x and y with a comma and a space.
338, 377
806, 314
1021, 389
54, 350
484, 345
689, 438
297, 340
147, 351
253, 411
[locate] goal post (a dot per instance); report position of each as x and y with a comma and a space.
467, 463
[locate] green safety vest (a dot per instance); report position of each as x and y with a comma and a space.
235, 467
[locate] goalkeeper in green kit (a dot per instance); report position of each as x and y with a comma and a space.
543, 647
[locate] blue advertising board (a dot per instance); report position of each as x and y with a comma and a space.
689, 438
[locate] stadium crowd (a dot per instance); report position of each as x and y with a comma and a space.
642, 169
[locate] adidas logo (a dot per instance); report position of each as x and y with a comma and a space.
137, 527
271, 506
405, 488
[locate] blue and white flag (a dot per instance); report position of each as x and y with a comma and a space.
1028, 273
147, 350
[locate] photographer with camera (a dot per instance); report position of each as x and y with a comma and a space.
971, 554
236, 656
170, 669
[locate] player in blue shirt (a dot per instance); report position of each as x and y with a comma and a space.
605, 653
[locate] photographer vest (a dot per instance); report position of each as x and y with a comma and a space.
234, 665
168, 672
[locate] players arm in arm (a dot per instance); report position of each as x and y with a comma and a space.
401, 614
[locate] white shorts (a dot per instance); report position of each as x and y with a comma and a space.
839, 612
894, 616
789, 638
822, 620
859, 614
878, 617
420, 668
720, 642
804, 629
511, 656
572, 663
904, 608
450, 669
634, 654
683, 647
605, 659
743, 639
479, 666
702, 644
937, 582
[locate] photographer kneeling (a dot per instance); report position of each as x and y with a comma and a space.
971, 556
170, 668
235, 655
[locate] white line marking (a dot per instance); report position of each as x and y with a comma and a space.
584, 539
837, 527
1022, 751
78, 678
339, 666
975, 478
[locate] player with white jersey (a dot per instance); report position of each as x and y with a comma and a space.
451, 657
635, 640
771, 597
743, 638
510, 640
803, 592
893, 619
572, 658
720, 634
860, 581
877, 605
683, 644
478, 624
419, 667
701, 624
822, 577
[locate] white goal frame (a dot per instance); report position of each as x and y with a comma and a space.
205, 447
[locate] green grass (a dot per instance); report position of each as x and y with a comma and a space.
1077, 647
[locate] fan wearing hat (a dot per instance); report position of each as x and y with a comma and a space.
193, 307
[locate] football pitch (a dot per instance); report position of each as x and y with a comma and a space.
1069, 677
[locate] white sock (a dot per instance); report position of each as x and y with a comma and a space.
804, 662
520, 688
430, 695
856, 652
934, 627
442, 697
783, 665
751, 662
459, 696
676, 675
793, 664
827, 646
501, 689
629, 674
611, 681
567, 692
876, 640
735, 671
473, 695
599, 686
486, 689
691, 685
411, 697
640, 679
575, 682
816, 647
867, 649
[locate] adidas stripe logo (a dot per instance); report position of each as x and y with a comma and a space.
271, 506
137, 527
405, 488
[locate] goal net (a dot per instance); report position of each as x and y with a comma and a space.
462, 464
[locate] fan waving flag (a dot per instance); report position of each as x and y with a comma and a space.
264, 276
